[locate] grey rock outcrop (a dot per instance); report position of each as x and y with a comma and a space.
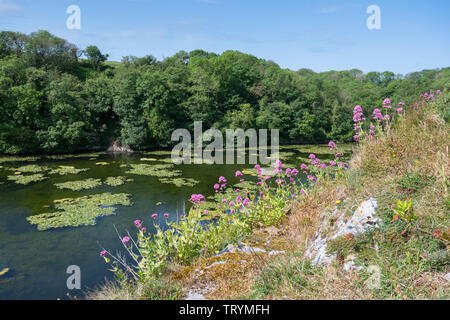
363, 219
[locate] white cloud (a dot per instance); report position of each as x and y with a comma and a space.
7, 6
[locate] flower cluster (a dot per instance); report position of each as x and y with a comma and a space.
357, 119
236, 212
197, 198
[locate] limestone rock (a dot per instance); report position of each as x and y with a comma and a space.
363, 219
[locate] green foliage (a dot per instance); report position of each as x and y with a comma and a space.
53, 102
293, 273
403, 210
414, 182
95, 57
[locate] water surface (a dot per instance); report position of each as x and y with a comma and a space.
38, 259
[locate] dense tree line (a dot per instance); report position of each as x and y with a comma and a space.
56, 98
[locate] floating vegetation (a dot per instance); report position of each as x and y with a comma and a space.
166, 160
79, 185
156, 170
179, 182
204, 160
63, 170
283, 155
18, 159
159, 153
102, 163
149, 159
81, 211
209, 206
116, 181
20, 179
4, 271
304, 159
250, 172
69, 156
246, 185
32, 168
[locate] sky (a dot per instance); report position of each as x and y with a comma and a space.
317, 34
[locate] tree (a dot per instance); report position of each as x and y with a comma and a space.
95, 57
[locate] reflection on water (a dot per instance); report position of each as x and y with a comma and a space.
38, 260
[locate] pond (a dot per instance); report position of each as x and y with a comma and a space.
38, 238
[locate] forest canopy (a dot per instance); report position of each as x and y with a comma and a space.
57, 98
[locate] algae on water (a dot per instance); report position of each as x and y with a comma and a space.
64, 170
179, 182
116, 181
32, 168
157, 170
81, 211
20, 179
79, 185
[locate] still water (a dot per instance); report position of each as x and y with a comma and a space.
38, 260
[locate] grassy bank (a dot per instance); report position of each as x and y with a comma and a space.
402, 163
410, 162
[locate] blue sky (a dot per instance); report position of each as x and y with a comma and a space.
320, 35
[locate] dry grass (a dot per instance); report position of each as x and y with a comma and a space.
233, 274
417, 144
306, 215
